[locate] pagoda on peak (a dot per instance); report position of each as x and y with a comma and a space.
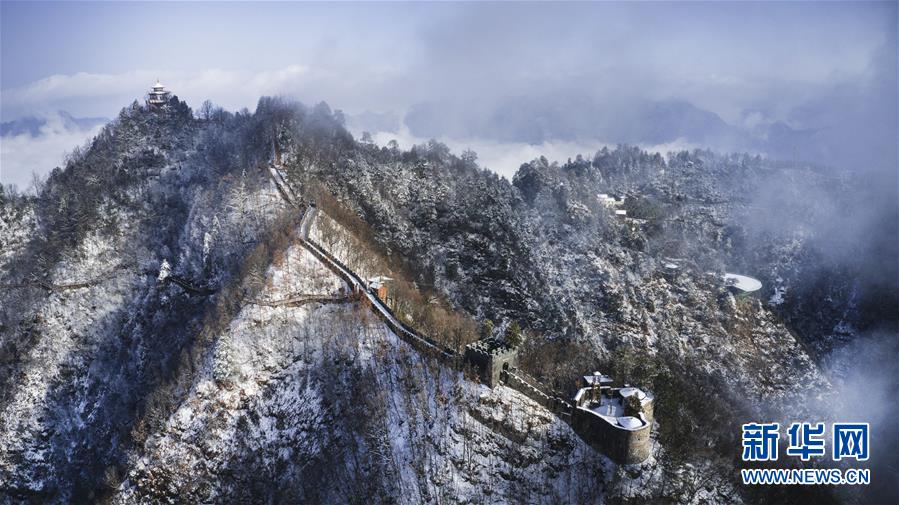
158, 96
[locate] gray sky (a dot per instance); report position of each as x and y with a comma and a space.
749, 63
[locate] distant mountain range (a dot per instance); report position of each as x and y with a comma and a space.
536, 120
31, 125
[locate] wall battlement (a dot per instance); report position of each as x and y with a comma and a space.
490, 357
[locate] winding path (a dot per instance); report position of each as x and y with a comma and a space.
513, 377
355, 282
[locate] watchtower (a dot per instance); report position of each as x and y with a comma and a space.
490, 357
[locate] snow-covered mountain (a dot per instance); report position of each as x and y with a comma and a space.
165, 338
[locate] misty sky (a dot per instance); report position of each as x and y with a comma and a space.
810, 65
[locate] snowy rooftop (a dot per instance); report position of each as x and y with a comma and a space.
377, 282
610, 407
611, 410
597, 378
629, 422
742, 282
626, 392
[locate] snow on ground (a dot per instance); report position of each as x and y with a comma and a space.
16, 226
69, 324
301, 273
779, 294
343, 245
97, 258
294, 384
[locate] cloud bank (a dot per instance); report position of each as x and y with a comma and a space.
800, 80
23, 155
505, 158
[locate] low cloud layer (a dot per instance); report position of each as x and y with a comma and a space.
865, 375
810, 81
22, 155
106, 93
505, 158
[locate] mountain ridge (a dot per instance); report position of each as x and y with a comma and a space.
111, 397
